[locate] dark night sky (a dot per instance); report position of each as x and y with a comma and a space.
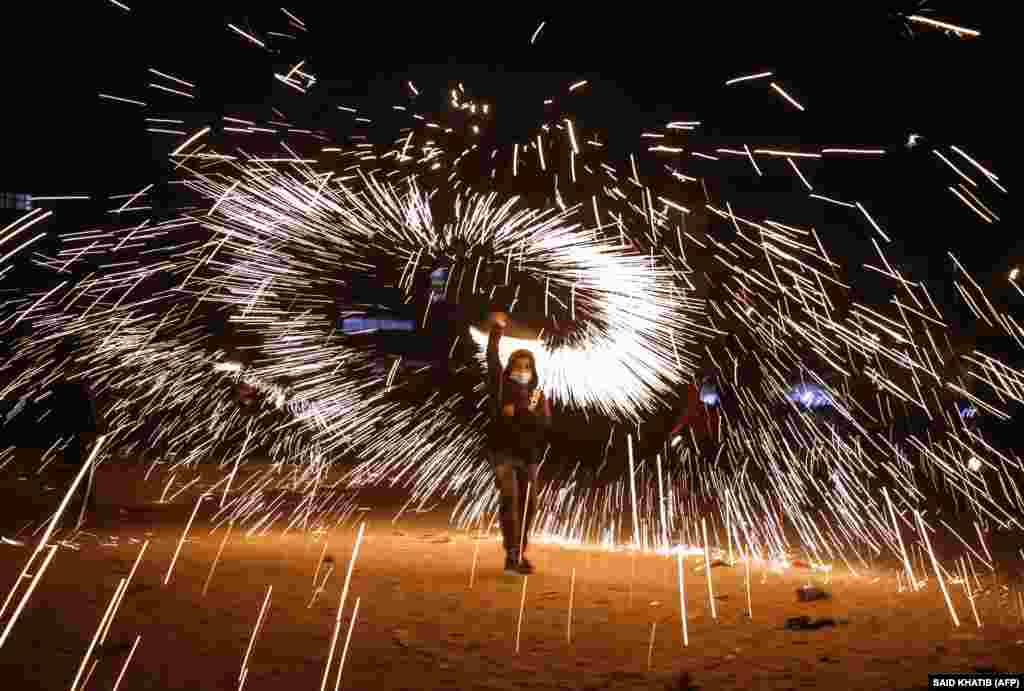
863, 80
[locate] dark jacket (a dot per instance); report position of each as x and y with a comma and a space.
523, 434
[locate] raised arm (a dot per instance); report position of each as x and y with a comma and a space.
494, 370
493, 360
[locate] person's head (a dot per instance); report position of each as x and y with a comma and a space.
246, 393
522, 369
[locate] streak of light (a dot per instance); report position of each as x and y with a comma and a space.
572, 137
872, 222
173, 79
788, 154
348, 639
985, 171
243, 34
834, 201
536, 33
188, 141
786, 96
759, 75
944, 25
877, 152
971, 206
124, 100
800, 175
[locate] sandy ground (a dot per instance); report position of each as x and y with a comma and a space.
420, 625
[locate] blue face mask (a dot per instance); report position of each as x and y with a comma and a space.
520, 377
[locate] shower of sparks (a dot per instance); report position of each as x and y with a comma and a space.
647, 279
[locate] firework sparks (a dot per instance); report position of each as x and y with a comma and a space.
275, 237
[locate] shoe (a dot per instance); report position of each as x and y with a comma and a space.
511, 564
525, 567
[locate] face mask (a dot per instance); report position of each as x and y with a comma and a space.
520, 378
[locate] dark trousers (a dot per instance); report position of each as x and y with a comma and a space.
516, 481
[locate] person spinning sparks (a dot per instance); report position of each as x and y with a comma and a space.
521, 417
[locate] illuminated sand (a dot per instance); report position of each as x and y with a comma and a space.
420, 627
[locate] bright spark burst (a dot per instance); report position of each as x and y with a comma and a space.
277, 238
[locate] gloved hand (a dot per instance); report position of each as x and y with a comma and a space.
534, 400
